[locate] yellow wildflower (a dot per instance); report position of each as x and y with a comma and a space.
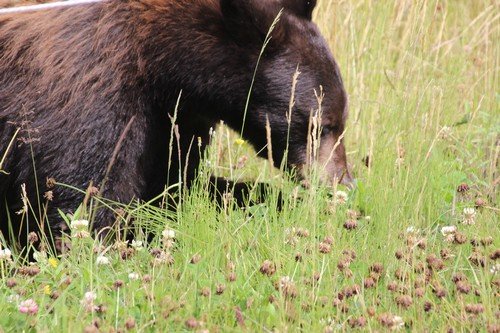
240, 142
53, 262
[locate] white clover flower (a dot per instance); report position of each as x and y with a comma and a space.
341, 197
469, 216
448, 233
168, 234
40, 257
290, 231
397, 323
88, 301
79, 224
445, 132
495, 269
133, 276
102, 260
285, 281
137, 245
5, 254
446, 230
412, 230
14, 298
89, 296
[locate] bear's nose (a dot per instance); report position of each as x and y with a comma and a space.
348, 180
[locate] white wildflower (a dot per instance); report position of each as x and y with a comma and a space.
79, 224
168, 234
285, 281
90, 296
469, 216
445, 132
168, 238
102, 260
40, 257
137, 245
290, 231
14, 298
120, 245
412, 230
341, 197
88, 301
5, 254
448, 233
495, 269
133, 276
397, 323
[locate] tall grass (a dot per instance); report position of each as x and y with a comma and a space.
422, 76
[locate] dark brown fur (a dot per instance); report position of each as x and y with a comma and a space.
73, 78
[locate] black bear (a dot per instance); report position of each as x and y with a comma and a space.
87, 93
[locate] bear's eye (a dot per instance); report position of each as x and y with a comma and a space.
328, 129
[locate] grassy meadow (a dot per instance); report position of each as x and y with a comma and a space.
414, 247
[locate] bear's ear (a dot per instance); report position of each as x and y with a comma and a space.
302, 8
248, 23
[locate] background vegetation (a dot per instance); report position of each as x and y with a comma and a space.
414, 247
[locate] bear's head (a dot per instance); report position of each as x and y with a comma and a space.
303, 114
